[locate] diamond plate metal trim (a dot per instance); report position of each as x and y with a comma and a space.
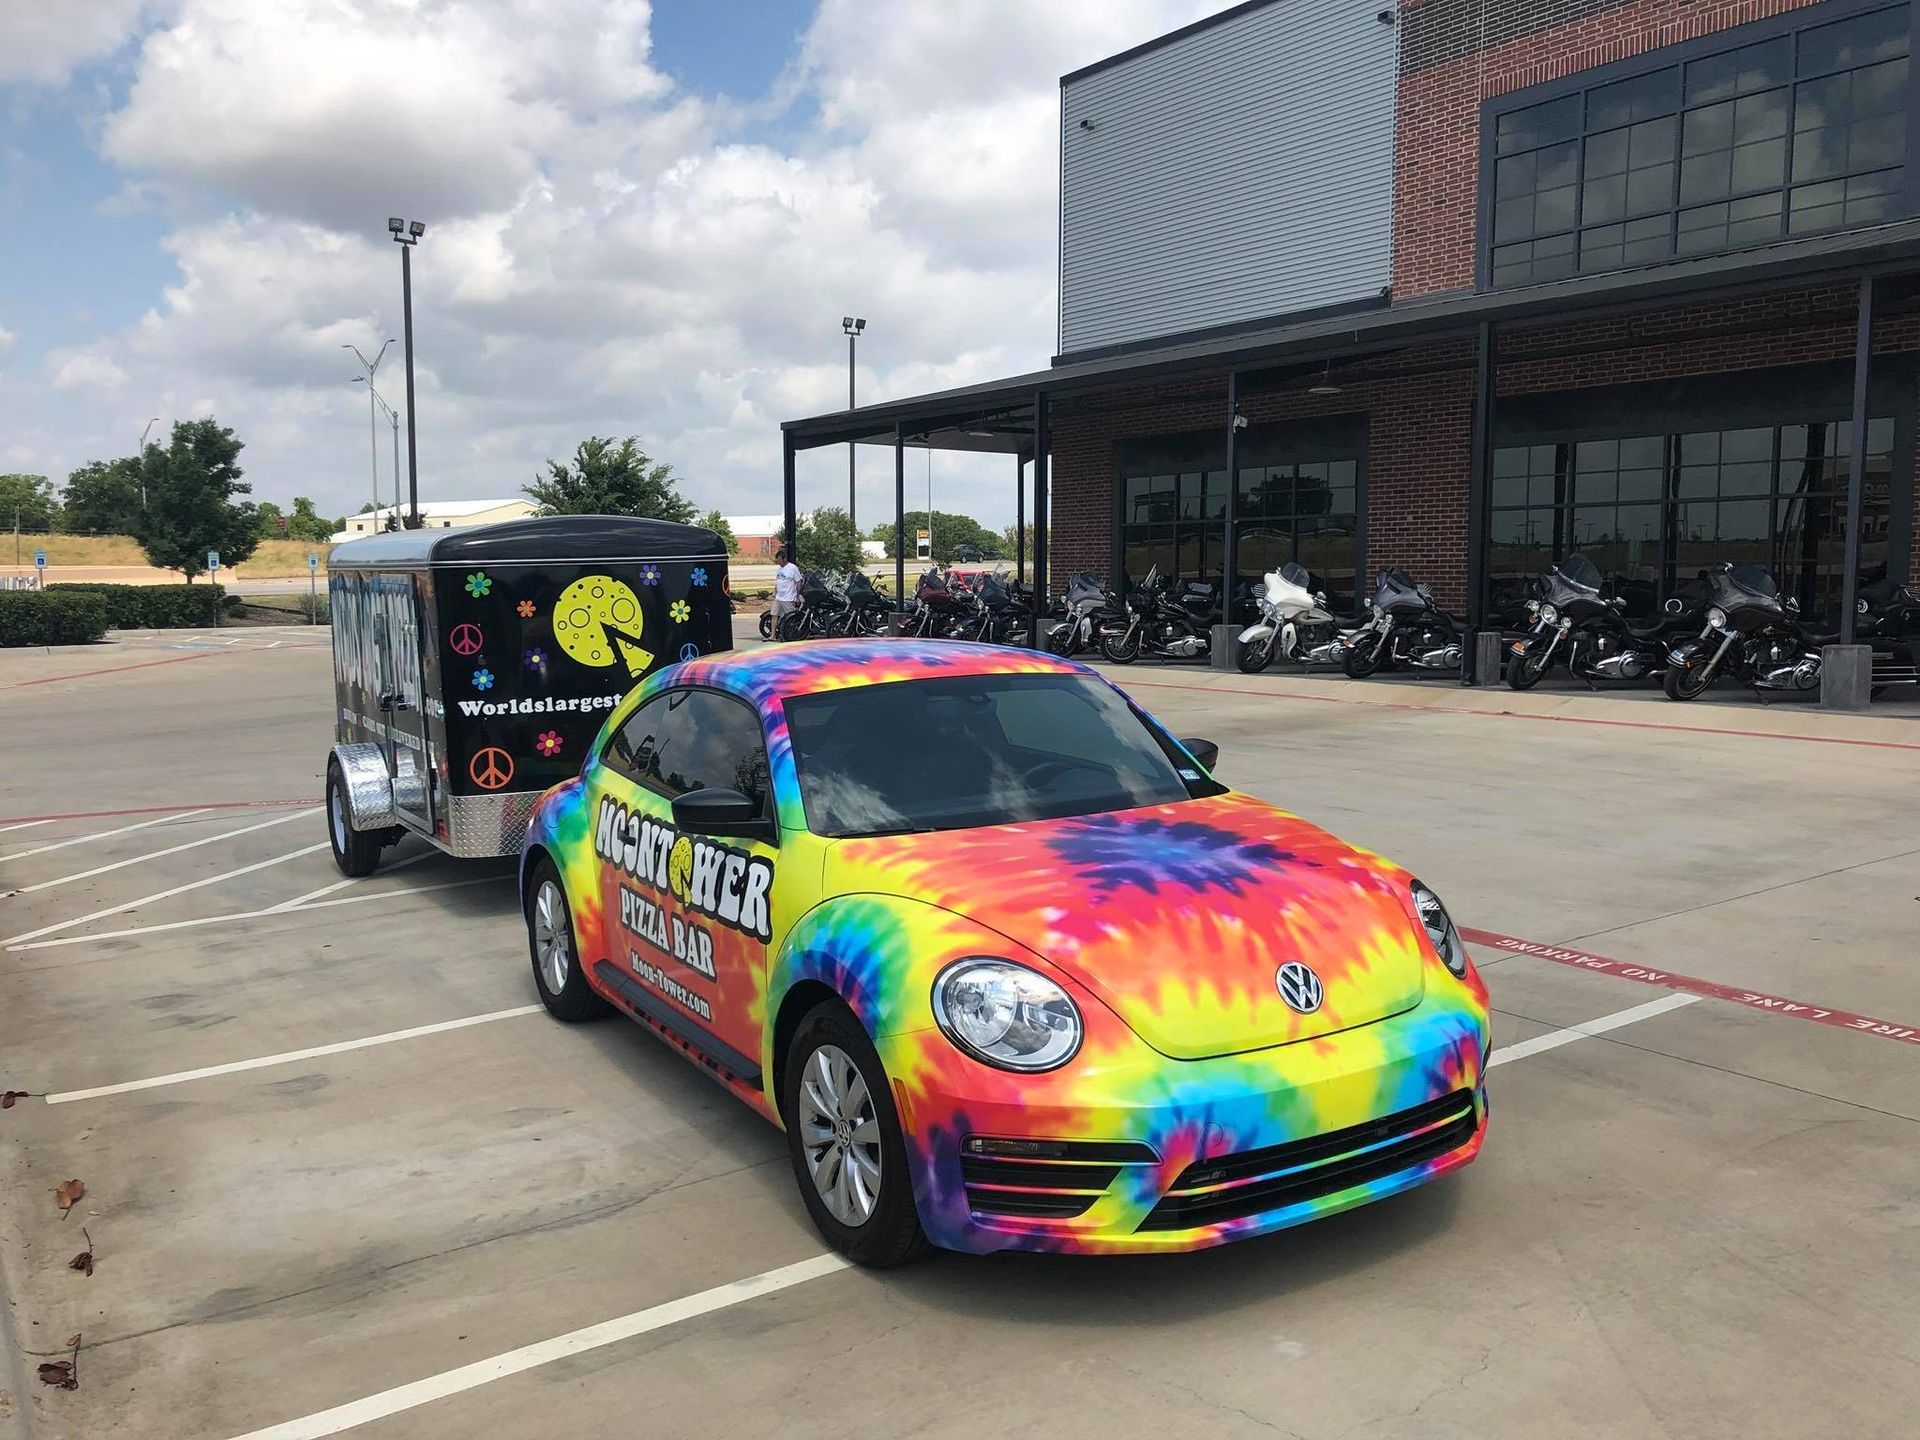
369, 789
484, 825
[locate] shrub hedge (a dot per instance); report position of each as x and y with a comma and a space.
153, 607
45, 617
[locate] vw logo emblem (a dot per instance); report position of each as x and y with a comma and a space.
1299, 987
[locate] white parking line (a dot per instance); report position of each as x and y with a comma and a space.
200, 920
610, 1332
13, 941
205, 1072
1554, 1039
170, 850
544, 1352
312, 895
99, 834
23, 825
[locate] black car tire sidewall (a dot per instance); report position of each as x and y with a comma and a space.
892, 1234
576, 1001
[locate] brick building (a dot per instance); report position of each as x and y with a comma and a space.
1463, 286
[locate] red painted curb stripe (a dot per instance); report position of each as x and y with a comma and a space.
1713, 990
166, 809
1523, 715
112, 670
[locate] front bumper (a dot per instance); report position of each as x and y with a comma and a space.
1141, 1152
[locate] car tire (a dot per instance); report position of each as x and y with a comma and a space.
554, 949
355, 852
824, 1138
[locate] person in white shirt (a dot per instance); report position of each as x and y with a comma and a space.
786, 589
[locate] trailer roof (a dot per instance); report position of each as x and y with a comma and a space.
534, 540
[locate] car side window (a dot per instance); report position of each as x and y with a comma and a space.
690, 740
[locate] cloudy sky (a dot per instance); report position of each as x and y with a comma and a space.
642, 219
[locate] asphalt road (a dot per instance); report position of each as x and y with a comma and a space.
1697, 1221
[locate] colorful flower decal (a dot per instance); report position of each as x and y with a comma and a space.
680, 611
525, 607
548, 744
649, 574
536, 658
699, 575
479, 584
483, 679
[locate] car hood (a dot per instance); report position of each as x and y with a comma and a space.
1178, 917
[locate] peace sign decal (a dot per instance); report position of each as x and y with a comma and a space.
491, 768
466, 639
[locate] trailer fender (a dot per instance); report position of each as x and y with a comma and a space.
369, 786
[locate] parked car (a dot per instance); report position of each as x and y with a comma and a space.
1008, 964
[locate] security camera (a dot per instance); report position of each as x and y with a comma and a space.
1239, 422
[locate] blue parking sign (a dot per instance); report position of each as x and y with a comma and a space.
40, 559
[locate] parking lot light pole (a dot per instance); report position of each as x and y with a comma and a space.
141, 455
407, 233
852, 325
394, 419
372, 368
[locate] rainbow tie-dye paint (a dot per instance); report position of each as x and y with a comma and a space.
1201, 1105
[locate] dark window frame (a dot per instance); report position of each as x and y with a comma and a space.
608, 758
1789, 24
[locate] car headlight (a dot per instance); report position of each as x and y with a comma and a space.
1006, 1015
1717, 618
1549, 614
1439, 927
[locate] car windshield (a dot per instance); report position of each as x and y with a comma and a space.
968, 750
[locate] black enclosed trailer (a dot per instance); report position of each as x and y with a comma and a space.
472, 668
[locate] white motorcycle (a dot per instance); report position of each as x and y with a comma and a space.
1294, 622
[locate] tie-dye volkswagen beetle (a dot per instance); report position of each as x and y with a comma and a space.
1007, 964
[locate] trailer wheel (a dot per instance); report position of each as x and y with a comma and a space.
355, 853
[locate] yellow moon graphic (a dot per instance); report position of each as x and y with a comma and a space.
680, 869
597, 622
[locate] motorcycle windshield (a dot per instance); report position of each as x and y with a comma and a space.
1581, 573
1395, 586
1294, 573
1753, 580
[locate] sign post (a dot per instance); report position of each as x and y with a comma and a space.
213, 578
40, 567
313, 581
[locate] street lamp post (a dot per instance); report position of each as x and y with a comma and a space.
141, 455
372, 367
852, 325
394, 419
407, 234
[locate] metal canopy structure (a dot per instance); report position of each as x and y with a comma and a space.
1010, 416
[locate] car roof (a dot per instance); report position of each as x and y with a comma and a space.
806, 667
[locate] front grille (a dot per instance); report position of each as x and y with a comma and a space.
1254, 1181
1061, 1181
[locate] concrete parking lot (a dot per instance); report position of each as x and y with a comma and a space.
1697, 1213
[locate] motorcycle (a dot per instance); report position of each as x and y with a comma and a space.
1175, 627
1406, 626
998, 617
822, 609
938, 607
1574, 621
867, 607
1751, 633
1091, 610
1294, 619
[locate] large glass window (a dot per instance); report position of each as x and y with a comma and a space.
1307, 512
1652, 511
1788, 136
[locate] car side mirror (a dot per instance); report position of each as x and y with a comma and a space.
1205, 751
719, 812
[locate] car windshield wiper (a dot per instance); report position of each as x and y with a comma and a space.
897, 830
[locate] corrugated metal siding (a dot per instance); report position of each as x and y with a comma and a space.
1240, 172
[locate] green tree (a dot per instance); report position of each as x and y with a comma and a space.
716, 522
190, 508
103, 498
272, 520
28, 500
609, 478
306, 523
1009, 543
950, 532
828, 540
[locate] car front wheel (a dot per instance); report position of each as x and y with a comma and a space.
849, 1155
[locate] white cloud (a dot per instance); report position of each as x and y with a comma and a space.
605, 252
41, 41
7, 337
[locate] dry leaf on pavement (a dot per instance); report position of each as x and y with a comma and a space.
69, 1193
83, 1262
